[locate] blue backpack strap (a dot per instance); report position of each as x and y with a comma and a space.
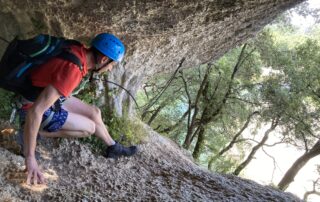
67, 55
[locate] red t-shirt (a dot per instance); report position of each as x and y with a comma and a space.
64, 75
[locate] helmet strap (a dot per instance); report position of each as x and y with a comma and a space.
95, 58
96, 69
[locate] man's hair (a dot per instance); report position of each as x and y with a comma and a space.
95, 52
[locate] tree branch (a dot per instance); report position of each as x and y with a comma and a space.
156, 98
313, 191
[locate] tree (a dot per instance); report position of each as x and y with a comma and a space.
233, 141
315, 187
212, 103
297, 165
271, 75
274, 124
300, 83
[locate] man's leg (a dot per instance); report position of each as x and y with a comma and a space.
75, 126
84, 120
85, 117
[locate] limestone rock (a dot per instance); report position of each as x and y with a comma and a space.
161, 171
157, 34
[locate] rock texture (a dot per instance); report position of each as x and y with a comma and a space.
158, 34
161, 171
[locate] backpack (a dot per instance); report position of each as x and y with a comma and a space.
22, 56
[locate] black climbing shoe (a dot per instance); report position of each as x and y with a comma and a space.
118, 150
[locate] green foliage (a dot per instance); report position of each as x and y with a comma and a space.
224, 164
127, 131
278, 75
85, 92
232, 113
95, 143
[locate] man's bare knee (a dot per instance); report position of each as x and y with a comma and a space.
96, 113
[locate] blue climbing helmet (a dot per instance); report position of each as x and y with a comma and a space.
109, 45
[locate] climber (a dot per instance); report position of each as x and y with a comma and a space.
55, 113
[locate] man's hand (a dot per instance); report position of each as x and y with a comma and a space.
33, 121
34, 171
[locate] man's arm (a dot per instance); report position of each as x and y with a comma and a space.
33, 120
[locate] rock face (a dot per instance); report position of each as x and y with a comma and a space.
157, 34
161, 171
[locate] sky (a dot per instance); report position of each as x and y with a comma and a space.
303, 22
262, 166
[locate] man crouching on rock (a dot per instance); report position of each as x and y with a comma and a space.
74, 118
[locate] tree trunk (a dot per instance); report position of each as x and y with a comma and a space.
197, 150
155, 114
208, 115
190, 137
187, 141
191, 121
297, 165
256, 148
144, 114
210, 163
